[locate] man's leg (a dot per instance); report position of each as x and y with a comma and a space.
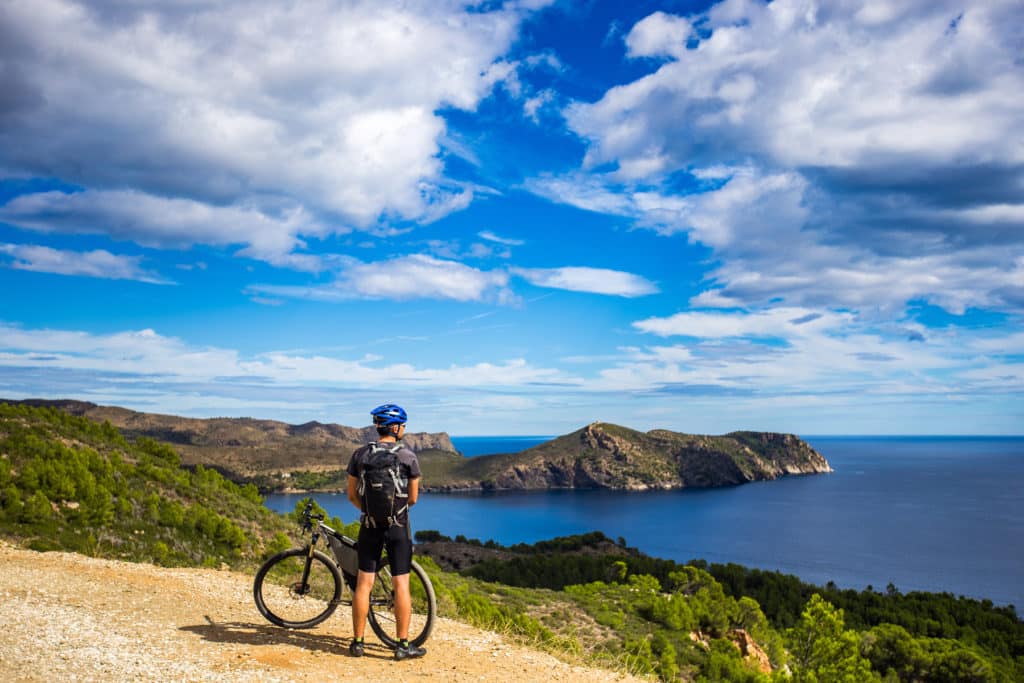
370, 545
361, 602
403, 605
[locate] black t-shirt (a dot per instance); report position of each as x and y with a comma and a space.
407, 460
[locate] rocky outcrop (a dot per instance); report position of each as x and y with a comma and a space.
750, 650
605, 456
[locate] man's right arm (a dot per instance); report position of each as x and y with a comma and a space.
353, 492
353, 481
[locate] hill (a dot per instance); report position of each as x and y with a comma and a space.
242, 448
278, 457
69, 483
607, 456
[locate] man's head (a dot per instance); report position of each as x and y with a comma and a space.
389, 419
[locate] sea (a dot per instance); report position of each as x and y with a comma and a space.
938, 514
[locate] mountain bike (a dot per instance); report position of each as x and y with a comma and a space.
301, 587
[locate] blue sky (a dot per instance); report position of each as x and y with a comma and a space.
518, 217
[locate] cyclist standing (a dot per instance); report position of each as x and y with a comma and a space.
383, 482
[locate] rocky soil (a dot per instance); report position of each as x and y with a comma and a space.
69, 617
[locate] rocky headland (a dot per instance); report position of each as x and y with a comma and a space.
606, 456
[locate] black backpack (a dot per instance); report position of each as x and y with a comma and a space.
382, 488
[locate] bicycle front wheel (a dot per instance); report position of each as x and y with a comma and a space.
289, 595
382, 606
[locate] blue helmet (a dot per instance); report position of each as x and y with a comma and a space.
389, 414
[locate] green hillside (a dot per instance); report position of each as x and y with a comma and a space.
69, 483
648, 611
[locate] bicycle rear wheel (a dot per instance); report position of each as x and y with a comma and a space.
382, 606
289, 596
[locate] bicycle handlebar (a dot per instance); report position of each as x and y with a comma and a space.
308, 517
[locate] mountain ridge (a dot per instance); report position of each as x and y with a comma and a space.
243, 447
312, 456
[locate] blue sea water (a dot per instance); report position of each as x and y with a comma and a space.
942, 514
486, 445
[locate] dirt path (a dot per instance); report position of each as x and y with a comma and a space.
69, 617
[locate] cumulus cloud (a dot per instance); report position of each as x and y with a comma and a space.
659, 35
837, 154
97, 263
593, 280
802, 83
325, 106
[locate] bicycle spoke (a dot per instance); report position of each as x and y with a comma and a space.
286, 596
382, 617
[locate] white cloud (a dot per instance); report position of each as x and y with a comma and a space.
818, 353
593, 280
422, 276
97, 263
138, 355
775, 322
840, 155
328, 105
417, 276
507, 241
724, 383
533, 105
659, 35
747, 203
168, 223
805, 84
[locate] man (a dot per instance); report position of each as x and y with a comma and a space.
383, 482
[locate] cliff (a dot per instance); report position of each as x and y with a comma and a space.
606, 456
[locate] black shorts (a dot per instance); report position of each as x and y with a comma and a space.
395, 540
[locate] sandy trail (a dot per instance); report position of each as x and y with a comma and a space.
68, 617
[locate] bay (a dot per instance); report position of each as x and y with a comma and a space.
940, 514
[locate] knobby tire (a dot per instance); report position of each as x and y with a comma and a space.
382, 605
282, 597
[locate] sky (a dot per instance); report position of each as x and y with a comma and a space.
518, 217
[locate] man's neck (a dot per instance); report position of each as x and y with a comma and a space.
387, 439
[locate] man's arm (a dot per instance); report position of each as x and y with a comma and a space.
353, 492
414, 490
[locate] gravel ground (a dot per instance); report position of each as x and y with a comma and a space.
68, 617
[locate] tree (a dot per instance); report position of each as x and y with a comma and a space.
822, 650
37, 509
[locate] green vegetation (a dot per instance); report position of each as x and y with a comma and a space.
300, 480
67, 483
830, 634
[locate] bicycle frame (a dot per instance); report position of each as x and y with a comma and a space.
322, 577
